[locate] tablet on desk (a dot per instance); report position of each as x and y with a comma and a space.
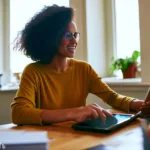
111, 123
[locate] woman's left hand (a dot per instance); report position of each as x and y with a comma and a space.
136, 105
146, 109
140, 105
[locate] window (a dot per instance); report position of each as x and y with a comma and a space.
127, 31
20, 13
127, 27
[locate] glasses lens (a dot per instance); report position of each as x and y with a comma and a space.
68, 35
76, 35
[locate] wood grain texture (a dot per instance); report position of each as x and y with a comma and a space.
66, 138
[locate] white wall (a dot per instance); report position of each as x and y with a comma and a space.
96, 44
1, 35
80, 19
110, 28
145, 38
4, 41
6, 98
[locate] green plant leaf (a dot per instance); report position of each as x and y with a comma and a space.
123, 64
135, 55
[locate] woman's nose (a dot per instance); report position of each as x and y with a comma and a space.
73, 40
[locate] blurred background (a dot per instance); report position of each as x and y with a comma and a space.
108, 28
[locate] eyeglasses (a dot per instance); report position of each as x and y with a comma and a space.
70, 35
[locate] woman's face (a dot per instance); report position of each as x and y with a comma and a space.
69, 42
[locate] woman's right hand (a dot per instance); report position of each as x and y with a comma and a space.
78, 114
92, 111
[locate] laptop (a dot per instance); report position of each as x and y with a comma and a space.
111, 123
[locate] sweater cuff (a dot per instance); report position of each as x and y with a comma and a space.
126, 103
37, 117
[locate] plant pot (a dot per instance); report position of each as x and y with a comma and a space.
131, 71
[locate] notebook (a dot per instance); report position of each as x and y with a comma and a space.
25, 140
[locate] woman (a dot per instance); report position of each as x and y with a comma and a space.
54, 88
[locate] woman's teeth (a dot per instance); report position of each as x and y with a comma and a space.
71, 48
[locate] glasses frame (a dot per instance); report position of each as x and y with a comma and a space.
75, 35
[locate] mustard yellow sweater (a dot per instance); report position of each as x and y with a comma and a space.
41, 88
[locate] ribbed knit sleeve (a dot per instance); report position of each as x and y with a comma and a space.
24, 109
102, 90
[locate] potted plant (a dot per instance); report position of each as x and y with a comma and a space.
128, 65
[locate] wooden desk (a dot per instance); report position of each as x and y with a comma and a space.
66, 138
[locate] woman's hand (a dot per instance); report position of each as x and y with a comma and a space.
146, 105
74, 114
140, 105
92, 111
146, 109
136, 105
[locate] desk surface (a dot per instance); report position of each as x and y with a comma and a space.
66, 138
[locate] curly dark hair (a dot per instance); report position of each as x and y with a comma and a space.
42, 35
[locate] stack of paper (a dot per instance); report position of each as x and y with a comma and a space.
23, 140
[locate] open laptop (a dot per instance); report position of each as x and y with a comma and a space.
111, 123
